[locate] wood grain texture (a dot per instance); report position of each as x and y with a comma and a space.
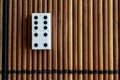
1, 17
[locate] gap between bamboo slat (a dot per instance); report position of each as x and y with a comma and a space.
115, 34
105, 36
90, 38
19, 38
110, 38
54, 34
70, 34
80, 39
29, 51
65, 38
85, 38
14, 39
1, 12
9, 39
60, 38
95, 37
39, 58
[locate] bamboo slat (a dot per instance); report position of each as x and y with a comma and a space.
34, 53
65, 38
105, 36
24, 39
1, 12
110, 38
54, 36
115, 37
100, 38
80, 39
75, 66
39, 76
90, 38
44, 52
50, 51
9, 38
85, 38
29, 51
19, 38
95, 37
70, 36
60, 38
14, 39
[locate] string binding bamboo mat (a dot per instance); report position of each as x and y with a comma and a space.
85, 42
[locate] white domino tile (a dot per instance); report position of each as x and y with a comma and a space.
41, 31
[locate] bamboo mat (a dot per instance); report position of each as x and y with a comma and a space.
1, 4
84, 40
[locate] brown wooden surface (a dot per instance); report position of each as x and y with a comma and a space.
1, 17
84, 38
